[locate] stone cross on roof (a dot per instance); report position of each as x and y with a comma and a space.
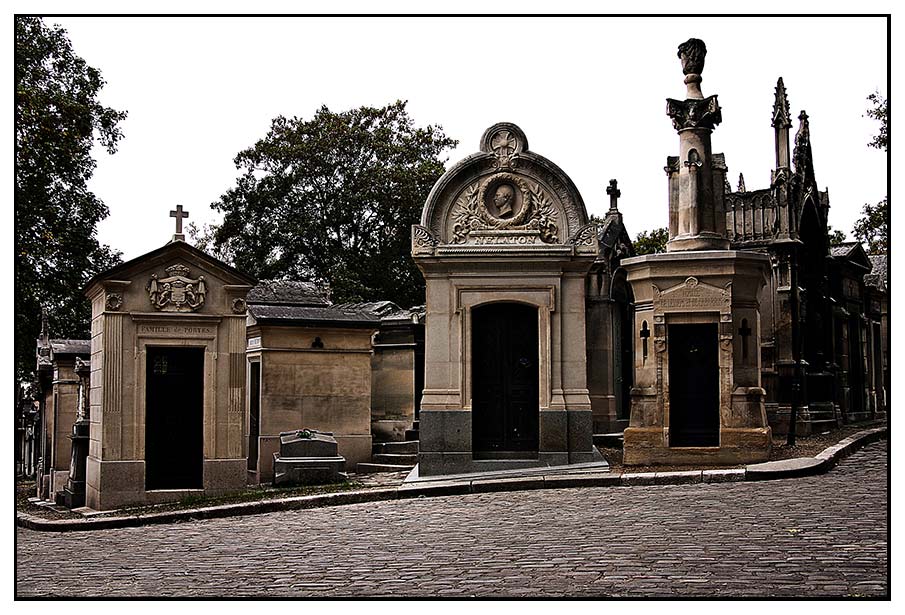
614, 193
179, 214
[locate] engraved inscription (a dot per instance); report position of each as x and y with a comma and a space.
505, 239
176, 329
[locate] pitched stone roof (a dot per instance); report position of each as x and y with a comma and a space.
288, 292
300, 302
301, 314
843, 249
877, 278
68, 346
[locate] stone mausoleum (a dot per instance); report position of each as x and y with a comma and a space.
698, 394
167, 415
505, 246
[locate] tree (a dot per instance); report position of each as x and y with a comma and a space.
651, 243
58, 117
836, 237
880, 112
332, 200
872, 229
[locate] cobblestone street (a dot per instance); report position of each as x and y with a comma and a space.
817, 536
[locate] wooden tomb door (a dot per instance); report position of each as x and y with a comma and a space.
174, 418
694, 394
504, 381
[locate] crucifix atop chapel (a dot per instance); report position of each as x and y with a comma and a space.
179, 214
614, 193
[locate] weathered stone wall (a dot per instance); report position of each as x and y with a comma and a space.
304, 387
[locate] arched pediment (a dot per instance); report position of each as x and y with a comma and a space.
504, 198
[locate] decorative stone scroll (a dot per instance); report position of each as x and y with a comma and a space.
423, 241
585, 240
177, 292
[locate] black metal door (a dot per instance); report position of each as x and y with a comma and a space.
694, 394
174, 418
504, 378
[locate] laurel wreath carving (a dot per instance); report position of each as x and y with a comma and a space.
537, 213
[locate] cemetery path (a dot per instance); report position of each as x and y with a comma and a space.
818, 536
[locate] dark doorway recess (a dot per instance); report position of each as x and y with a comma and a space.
855, 366
174, 418
254, 414
694, 395
504, 381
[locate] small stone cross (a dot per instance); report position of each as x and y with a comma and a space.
179, 214
614, 193
745, 332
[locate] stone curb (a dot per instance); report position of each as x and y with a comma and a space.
788, 468
820, 463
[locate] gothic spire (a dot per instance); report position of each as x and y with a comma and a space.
741, 182
801, 157
781, 116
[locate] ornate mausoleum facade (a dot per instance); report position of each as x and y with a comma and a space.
505, 246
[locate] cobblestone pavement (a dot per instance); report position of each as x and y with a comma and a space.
818, 536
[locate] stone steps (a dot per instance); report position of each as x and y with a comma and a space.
412, 434
407, 447
367, 468
396, 458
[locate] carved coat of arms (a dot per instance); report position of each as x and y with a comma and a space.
177, 292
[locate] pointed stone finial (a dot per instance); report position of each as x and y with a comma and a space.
727, 187
614, 193
781, 115
45, 328
741, 182
801, 156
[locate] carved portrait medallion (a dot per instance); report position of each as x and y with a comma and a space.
504, 197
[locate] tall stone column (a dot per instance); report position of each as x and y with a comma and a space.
698, 222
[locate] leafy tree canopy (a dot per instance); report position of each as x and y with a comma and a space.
58, 118
872, 229
879, 111
836, 237
652, 242
332, 200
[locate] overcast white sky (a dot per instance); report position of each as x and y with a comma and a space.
588, 92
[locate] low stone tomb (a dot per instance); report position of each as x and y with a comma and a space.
307, 457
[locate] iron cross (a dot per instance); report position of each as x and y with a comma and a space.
179, 215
